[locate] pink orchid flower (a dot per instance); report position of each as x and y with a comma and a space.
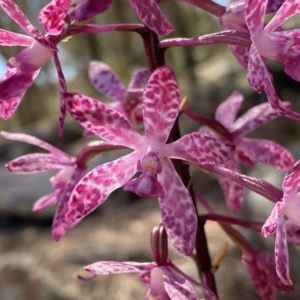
70, 171
152, 16
151, 156
269, 43
165, 281
261, 267
289, 207
58, 13
63, 182
127, 101
25, 66
247, 151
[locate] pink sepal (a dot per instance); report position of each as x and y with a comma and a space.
177, 209
199, 149
271, 223
150, 14
8, 38
103, 121
46, 201
281, 253
94, 188
161, 101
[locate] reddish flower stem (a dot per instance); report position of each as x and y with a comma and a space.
208, 5
155, 56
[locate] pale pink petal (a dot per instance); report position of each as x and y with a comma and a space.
94, 188
254, 118
281, 253
89, 8
29, 139
13, 10
46, 201
267, 152
177, 210
254, 16
227, 110
53, 16
113, 267
176, 286
139, 78
288, 9
8, 38
103, 121
106, 81
35, 163
150, 14
292, 232
161, 102
233, 192
59, 226
199, 149
271, 223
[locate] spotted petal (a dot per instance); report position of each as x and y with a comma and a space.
106, 81
103, 121
150, 14
161, 102
8, 38
113, 267
288, 9
271, 223
233, 192
59, 226
13, 10
177, 209
53, 16
94, 188
176, 286
199, 149
281, 253
292, 232
35, 163
267, 152
254, 118
291, 182
254, 16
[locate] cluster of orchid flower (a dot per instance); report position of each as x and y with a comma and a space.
144, 118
